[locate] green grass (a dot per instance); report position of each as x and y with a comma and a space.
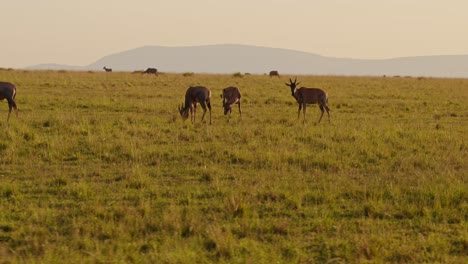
100, 168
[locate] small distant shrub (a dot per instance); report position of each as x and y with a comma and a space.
206, 177
459, 247
3, 146
187, 74
28, 136
6, 193
209, 244
237, 75
6, 228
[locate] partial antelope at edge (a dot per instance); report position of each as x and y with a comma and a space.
306, 96
8, 91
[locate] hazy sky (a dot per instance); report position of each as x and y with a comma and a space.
79, 32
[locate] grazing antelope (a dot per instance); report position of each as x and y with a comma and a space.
194, 95
151, 71
274, 73
8, 91
306, 96
107, 69
231, 95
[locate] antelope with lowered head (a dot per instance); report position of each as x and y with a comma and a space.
194, 95
306, 96
151, 71
107, 69
231, 95
8, 91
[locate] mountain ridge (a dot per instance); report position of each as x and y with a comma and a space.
230, 58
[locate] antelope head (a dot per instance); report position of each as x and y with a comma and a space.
184, 113
292, 85
227, 108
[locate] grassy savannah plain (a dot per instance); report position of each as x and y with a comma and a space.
99, 168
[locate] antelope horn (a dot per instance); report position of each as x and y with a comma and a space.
290, 80
295, 79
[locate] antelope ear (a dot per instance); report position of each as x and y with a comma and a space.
287, 84
298, 83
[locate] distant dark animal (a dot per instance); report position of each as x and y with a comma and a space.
151, 71
194, 95
274, 73
107, 69
231, 95
8, 91
306, 96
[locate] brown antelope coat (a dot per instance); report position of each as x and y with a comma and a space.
8, 91
194, 95
231, 95
306, 96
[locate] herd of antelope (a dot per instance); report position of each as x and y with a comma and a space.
231, 95
202, 95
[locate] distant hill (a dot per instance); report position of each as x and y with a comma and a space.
55, 67
259, 60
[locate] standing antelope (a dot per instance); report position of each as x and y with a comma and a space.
194, 95
107, 69
231, 95
274, 73
8, 91
306, 96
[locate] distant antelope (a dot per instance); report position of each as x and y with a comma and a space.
306, 96
231, 95
194, 95
274, 73
8, 91
151, 71
107, 69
